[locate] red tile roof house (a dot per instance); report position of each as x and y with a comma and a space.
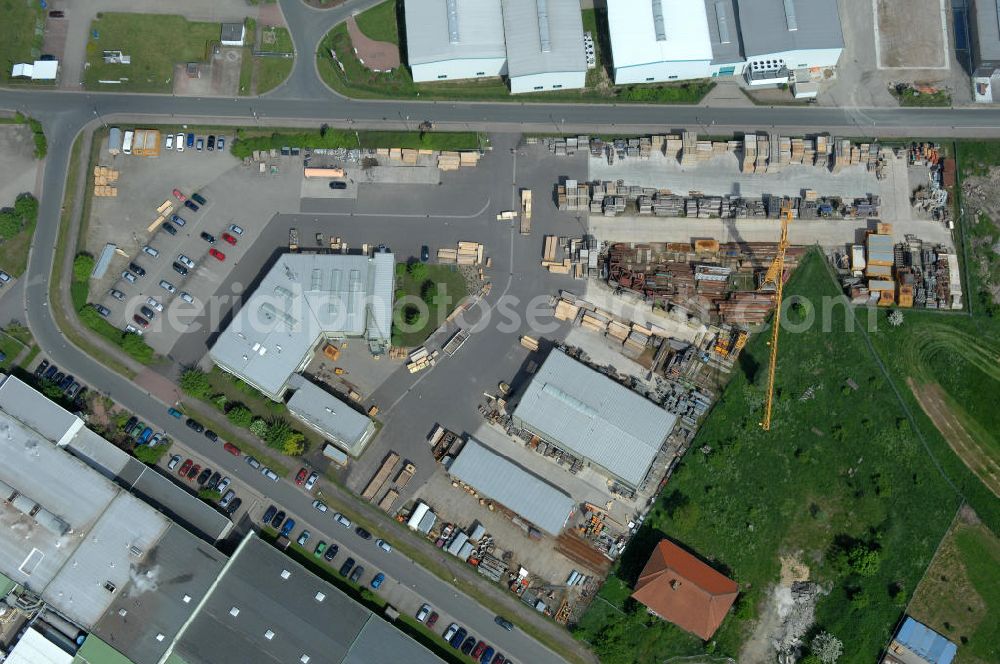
681, 589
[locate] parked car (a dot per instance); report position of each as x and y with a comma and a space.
382, 544
227, 498
157, 438
356, 574
362, 533
151, 251
128, 276
211, 142
211, 435
132, 329
320, 548
199, 199
185, 467
468, 645
140, 321
223, 484
451, 631
432, 619
186, 296
345, 569
103, 310
232, 449
331, 552
213, 481
132, 422
173, 412
303, 538
193, 471
147, 312
180, 269
487, 655
180, 142
167, 286
236, 229
51, 371
73, 390
337, 184
311, 480
204, 476
57, 13
153, 303
269, 514
190, 140
252, 462
42, 366
500, 659
179, 220
207, 237
191, 206
169, 228
200, 144
185, 261
138, 269
144, 436
423, 612
229, 238
269, 474
425, 253
277, 519
216, 254
170, 142
503, 622
174, 460
220, 144
4, 277
377, 580
179, 196
342, 520
233, 506
301, 476
320, 505
194, 425
286, 529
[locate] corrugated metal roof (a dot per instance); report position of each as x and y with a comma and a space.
559, 22
328, 413
592, 416
925, 642
512, 486
767, 28
986, 15
724, 31
435, 33
635, 40
302, 297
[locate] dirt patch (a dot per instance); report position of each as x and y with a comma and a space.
788, 612
219, 77
376, 55
898, 22
580, 551
932, 400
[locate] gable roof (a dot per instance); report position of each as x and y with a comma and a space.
440, 30
924, 642
650, 31
681, 589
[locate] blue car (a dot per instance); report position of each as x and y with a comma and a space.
377, 580
173, 412
190, 140
456, 640
144, 437
287, 529
487, 655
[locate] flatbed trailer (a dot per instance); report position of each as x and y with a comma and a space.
380, 477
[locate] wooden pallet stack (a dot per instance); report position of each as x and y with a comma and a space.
449, 161
689, 148
749, 152
566, 310
103, 177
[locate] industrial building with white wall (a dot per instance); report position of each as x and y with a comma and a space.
544, 45
658, 40
454, 39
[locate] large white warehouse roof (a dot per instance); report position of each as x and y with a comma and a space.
543, 36
440, 30
649, 31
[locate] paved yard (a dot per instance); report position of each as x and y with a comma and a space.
18, 166
912, 34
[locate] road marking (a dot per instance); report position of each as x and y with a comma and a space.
409, 216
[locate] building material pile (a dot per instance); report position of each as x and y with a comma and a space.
452, 160
103, 177
466, 253
421, 359
378, 480
573, 196
525, 211
908, 274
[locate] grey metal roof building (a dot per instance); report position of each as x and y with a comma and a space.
454, 39
303, 299
724, 32
499, 478
775, 26
593, 417
985, 28
330, 416
268, 608
544, 44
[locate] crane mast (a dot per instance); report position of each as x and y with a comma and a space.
774, 276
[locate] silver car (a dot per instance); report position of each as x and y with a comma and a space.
154, 303
128, 276
233, 228
228, 498
167, 286
186, 296
185, 261
223, 484
151, 251
117, 294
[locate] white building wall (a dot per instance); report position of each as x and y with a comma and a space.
450, 70
803, 58
565, 80
660, 72
726, 69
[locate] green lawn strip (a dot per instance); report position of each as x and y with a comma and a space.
22, 23
409, 295
356, 80
272, 72
251, 29
30, 357
249, 140
60, 315
840, 475
379, 22
14, 249
276, 40
155, 43
912, 98
246, 72
151, 455
11, 348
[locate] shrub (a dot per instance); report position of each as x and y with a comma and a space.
417, 271
220, 400
210, 495
259, 428
137, 349
240, 415
827, 648
278, 431
863, 560
294, 445
83, 266
195, 382
150, 455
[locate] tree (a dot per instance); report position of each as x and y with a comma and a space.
83, 266
278, 431
195, 382
294, 445
895, 318
418, 271
210, 495
259, 428
137, 349
827, 647
240, 415
863, 560
430, 291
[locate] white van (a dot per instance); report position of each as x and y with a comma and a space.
127, 142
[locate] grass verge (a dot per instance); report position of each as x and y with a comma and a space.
432, 292
272, 72
14, 248
911, 98
841, 483
155, 44
379, 22
248, 140
23, 23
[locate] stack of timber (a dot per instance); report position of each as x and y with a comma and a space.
525, 211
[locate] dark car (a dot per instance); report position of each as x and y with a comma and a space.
211, 142
138, 269
169, 229
132, 421
195, 425
58, 377
208, 237
204, 476
498, 659
356, 574
269, 514
233, 506
147, 312
425, 253
179, 220
487, 655
362, 533
211, 435
103, 310
213, 481
66, 381
277, 519
57, 13
337, 184
331, 553
478, 650
456, 641
42, 366
199, 199
432, 619
503, 622
193, 473
289, 526
180, 269
468, 645
140, 321
345, 569
50, 372
191, 205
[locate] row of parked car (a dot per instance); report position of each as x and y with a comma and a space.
66, 382
208, 479
459, 638
142, 433
194, 142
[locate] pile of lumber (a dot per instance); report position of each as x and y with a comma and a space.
466, 253
105, 191
525, 211
406, 155
594, 322
103, 177
452, 161
530, 343
420, 359
566, 310
397, 353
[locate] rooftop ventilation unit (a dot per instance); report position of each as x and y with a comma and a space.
661, 31
790, 20
452, 7
720, 18
543, 25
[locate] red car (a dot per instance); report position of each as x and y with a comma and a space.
142, 322
478, 650
215, 253
301, 476
185, 467
432, 619
232, 449
229, 238
193, 473
179, 196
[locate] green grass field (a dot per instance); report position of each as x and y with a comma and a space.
14, 250
155, 43
840, 471
248, 140
272, 72
277, 40
408, 293
23, 22
379, 22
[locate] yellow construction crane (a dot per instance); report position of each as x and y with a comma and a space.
773, 278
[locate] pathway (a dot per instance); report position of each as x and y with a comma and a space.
376, 55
